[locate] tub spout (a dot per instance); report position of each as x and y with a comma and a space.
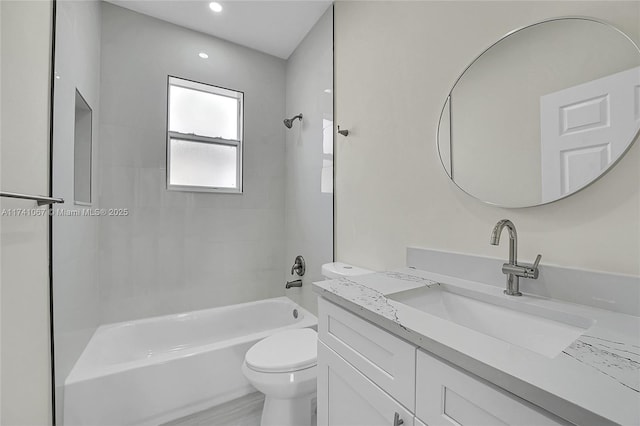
295, 283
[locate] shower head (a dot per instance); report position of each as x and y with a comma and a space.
289, 121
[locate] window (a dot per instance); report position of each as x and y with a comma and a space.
204, 137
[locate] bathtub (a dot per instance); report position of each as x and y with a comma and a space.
154, 370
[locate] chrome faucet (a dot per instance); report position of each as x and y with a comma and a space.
512, 269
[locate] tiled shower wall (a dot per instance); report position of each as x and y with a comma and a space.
309, 158
180, 251
76, 299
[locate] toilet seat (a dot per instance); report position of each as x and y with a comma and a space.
284, 352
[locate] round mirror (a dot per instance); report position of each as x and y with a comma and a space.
542, 113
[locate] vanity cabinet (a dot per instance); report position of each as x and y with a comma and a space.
346, 397
383, 358
448, 396
368, 376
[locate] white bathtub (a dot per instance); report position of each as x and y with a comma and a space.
154, 370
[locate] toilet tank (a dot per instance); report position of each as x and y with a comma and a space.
338, 269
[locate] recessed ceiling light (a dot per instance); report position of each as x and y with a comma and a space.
215, 6
203, 55
327, 90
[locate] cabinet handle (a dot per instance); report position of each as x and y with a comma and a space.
397, 421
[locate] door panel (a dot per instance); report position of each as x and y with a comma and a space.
448, 396
584, 129
384, 358
25, 79
347, 398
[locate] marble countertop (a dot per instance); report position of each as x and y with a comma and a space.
595, 380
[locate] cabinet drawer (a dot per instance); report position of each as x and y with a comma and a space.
448, 396
347, 398
385, 359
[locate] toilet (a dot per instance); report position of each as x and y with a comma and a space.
283, 366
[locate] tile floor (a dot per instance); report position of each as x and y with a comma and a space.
244, 411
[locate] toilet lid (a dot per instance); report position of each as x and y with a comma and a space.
286, 351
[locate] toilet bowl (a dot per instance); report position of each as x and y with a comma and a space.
283, 367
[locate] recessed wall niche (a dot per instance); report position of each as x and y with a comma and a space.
82, 152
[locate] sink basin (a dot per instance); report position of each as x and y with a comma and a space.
531, 326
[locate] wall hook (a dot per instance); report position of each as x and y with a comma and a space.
343, 132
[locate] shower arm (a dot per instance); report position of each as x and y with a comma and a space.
288, 122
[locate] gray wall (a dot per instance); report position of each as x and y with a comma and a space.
75, 244
180, 251
309, 158
25, 356
395, 63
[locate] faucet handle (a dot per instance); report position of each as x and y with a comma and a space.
299, 266
537, 262
532, 272
524, 270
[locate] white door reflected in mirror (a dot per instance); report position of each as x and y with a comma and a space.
542, 113
584, 128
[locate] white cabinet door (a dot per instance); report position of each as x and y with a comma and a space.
447, 396
347, 398
385, 359
584, 129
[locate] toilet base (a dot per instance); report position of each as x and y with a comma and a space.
289, 412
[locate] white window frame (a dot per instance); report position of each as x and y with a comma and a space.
216, 90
